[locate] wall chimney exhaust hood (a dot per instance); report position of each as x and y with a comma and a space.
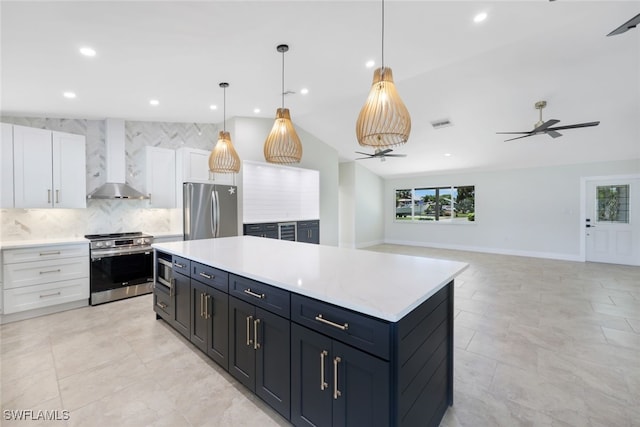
115, 187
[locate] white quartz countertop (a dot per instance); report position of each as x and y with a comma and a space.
382, 285
17, 244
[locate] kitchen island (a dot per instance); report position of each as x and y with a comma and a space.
324, 335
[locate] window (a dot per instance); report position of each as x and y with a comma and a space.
452, 204
613, 203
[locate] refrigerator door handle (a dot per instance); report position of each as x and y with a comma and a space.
187, 200
215, 213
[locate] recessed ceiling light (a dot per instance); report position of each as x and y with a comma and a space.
480, 17
87, 51
304, 91
154, 102
213, 107
370, 63
69, 95
256, 110
447, 154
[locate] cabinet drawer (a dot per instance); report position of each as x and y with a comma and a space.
41, 253
30, 297
181, 265
260, 294
40, 272
308, 224
352, 328
210, 276
162, 302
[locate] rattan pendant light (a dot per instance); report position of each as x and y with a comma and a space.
283, 144
223, 157
384, 120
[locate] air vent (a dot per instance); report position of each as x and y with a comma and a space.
443, 123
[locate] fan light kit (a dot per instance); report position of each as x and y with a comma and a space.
542, 127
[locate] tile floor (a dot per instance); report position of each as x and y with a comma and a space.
537, 343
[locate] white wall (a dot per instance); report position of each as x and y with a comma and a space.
248, 136
361, 206
530, 212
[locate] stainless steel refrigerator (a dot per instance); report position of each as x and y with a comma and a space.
209, 210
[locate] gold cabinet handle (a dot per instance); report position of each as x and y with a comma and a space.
253, 294
206, 276
201, 304
256, 324
249, 341
336, 392
161, 305
175, 264
343, 327
323, 382
171, 290
51, 271
57, 196
207, 315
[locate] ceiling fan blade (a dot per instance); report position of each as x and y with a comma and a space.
395, 155
578, 125
383, 152
545, 125
631, 23
364, 158
553, 133
364, 154
514, 133
519, 137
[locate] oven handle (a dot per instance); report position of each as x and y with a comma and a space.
117, 252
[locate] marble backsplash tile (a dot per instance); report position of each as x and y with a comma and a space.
106, 216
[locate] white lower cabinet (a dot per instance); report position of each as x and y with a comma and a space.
44, 276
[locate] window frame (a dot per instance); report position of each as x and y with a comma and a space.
434, 211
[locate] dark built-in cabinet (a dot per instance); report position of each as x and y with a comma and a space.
315, 363
305, 231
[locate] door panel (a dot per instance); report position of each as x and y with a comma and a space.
612, 229
242, 356
69, 180
228, 209
218, 340
311, 399
182, 306
33, 168
273, 368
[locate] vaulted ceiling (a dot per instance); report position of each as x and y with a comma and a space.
483, 77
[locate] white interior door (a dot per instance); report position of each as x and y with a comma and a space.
612, 228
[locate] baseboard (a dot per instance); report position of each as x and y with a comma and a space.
497, 251
29, 314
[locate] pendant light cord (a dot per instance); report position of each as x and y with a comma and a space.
224, 109
383, 35
283, 79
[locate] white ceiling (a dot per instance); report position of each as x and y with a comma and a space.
483, 77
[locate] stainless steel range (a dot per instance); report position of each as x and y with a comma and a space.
121, 266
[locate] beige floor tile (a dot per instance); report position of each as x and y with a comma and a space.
462, 336
624, 339
49, 413
29, 390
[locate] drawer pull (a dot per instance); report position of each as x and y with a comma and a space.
171, 288
344, 327
49, 253
253, 294
323, 382
161, 305
50, 295
175, 264
50, 271
202, 305
336, 392
206, 276
207, 315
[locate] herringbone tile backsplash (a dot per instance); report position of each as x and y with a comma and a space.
107, 216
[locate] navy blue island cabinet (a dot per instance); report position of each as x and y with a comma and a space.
316, 363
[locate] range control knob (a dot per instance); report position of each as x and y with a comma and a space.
99, 244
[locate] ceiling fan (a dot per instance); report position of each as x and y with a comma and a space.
547, 127
379, 154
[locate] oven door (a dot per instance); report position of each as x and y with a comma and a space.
112, 269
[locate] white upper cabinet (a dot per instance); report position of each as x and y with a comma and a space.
6, 165
161, 177
192, 165
49, 169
